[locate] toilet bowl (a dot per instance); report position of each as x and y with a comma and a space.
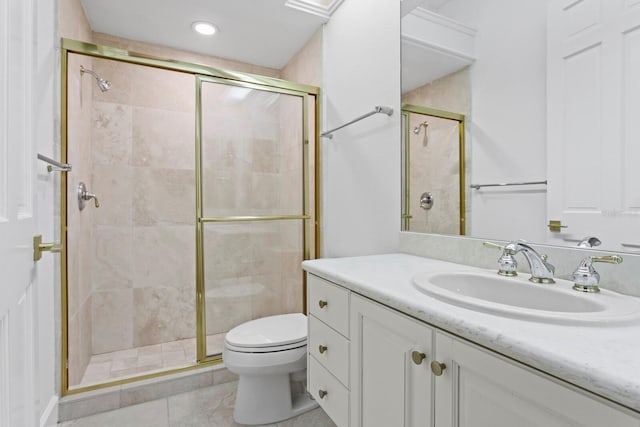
269, 355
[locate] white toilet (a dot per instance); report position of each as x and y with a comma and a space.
270, 357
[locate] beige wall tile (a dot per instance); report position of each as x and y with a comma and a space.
120, 74
163, 314
75, 350
113, 262
111, 136
163, 89
164, 257
79, 237
112, 320
72, 21
163, 139
306, 64
113, 185
226, 312
163, 196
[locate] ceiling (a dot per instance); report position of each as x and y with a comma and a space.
260, 32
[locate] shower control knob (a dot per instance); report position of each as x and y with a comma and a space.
322, 303
84, 196
322, 393
322, 348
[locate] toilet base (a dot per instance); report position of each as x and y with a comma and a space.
266, 399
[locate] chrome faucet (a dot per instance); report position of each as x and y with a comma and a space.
589, 242
541, 270
586, 278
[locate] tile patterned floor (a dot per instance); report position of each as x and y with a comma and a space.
206, 407
146, 360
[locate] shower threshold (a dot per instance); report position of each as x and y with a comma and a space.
150, 359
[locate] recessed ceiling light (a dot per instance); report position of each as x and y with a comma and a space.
205, 28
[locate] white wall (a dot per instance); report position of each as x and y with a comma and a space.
361, 164
508, 115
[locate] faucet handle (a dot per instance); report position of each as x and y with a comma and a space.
507, 264
611, 259
492, 245
586, 278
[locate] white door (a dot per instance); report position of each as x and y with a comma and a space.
388, 388
593, 144
25, 395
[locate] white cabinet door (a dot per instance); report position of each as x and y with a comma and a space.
481, 389
387, 387
593, 62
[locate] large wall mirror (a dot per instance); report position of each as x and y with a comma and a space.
545, 113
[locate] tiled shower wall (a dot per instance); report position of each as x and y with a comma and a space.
435, 161
80, 230
73, 24
143, 270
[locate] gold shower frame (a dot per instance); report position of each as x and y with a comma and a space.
201, 73
407, 109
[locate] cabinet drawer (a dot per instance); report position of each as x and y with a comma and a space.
335, 349
336, 400
329, 303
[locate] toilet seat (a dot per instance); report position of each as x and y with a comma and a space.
269, 355
269, 334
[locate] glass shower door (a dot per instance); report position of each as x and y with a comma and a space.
131, 260
253, 206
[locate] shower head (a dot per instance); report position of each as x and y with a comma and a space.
103, 84
417, 129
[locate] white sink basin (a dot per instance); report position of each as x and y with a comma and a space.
517, 297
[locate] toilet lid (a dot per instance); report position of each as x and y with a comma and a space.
269, 331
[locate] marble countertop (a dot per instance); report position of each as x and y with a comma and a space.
602, 359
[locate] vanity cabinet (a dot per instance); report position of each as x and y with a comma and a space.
328, 347
390, 376
480, 388
380, 367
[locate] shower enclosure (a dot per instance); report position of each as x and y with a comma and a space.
204, 190
433, 168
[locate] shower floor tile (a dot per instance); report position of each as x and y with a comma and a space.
148, 359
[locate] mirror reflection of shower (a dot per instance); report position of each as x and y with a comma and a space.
417, 129
103, 84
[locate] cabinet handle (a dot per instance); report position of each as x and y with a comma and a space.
322, 393
418, 357
322, 303
437, 368
322, 348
